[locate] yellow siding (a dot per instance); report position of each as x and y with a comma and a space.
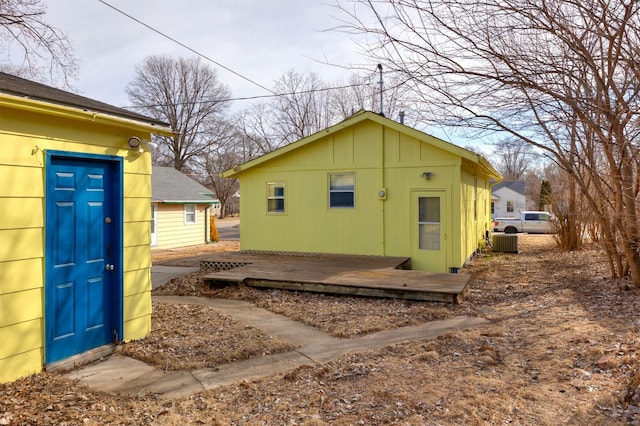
21, 213
25, 136
137, 316
30, 333
21, 182
172, 232
18, 244
138, 186
137, 328
382, 157
20, 365
137, 281
20, 275
137, 233
137, 305
20, 306
137, 257
137, 210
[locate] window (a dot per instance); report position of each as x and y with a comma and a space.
493, 207
189, 213
536, 216
275, 197
429, 223
510, 206
342, 188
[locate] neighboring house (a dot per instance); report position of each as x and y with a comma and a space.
508, 199
180, 209
74, 225
368, 186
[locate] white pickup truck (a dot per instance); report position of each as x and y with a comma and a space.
533, 222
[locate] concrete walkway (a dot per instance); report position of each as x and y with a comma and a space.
121, 374
161, 274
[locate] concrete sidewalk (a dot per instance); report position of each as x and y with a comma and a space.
161, 274
121, 374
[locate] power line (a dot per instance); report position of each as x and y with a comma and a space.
186, 47
252, 98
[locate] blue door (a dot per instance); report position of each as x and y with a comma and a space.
83, 258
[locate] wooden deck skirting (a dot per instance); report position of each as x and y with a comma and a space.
371, 276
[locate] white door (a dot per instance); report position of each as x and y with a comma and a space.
154, 224
428, 231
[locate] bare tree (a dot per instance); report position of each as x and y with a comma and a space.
225, 188
561, 75
306, 105
222, 155
532, 185
301, 108
362, 91
186, 94
515, 158
256, 125
41, 49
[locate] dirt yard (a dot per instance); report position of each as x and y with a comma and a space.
562, 347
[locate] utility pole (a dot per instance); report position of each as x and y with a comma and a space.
381, 83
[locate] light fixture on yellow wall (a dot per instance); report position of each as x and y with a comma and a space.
134, 142
427, 175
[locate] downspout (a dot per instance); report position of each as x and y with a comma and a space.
383, 200
207, 221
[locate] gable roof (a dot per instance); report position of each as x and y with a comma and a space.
16, 87
359, 117
514, 185
170, 186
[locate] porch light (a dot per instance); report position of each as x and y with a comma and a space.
427, 175
134, 142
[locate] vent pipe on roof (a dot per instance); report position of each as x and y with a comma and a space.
401, 117
381, 83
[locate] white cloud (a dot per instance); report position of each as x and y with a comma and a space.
256, 38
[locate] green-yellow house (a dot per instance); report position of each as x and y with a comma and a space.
368, 186
75, 216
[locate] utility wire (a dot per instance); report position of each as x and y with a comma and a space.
187, 47
252, 98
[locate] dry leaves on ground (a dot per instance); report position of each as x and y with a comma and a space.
339, 316
191, 337
562, 348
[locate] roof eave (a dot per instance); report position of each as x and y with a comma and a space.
212, 201
75, 113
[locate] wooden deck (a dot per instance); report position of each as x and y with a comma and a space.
371, 276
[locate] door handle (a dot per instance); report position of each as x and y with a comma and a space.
109, 267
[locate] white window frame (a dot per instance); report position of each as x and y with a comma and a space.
334, 191
282, 197
187, 213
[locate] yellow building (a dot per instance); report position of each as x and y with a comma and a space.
74, 225
180, 209
368, 186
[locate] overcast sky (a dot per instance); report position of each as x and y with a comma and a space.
259, 39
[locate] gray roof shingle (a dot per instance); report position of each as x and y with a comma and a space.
171, 186
16, 86
514, 185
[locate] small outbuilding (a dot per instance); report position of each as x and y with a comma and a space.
369, 186
180, 209
75, 235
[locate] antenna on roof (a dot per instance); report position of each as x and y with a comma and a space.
381, 83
